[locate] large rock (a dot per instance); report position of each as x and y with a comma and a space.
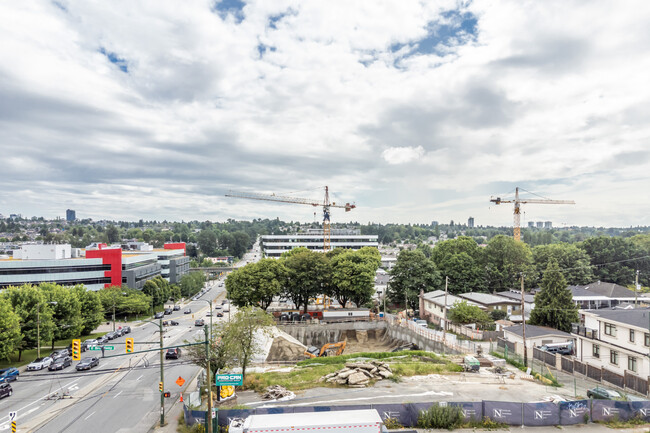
385, 374
346, 373
364, 365
357, 379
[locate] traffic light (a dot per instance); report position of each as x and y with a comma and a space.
160, 386
129, 345
76, 350
167, 394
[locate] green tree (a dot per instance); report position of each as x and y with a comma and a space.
353, 276
113, 234
241, 243
465, 313
412, 272
191, 283
222, 356
498, 314
91, 308
9, 329
461, 260
573, 261
207, 240
242, 334
27, 301
66, 313
554, 305
256, 283
505, 260
611, 258
307, 275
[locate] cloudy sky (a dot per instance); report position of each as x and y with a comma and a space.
415, 110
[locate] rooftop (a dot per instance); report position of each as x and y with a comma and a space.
533, 331
609, 290
438, 297
528, 297
487, 298
637, 317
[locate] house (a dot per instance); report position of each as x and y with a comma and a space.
615, 339
529, 303
603, 295
536, 336
432, 305
490, 302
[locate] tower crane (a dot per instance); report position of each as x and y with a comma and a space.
518, 202
326, 204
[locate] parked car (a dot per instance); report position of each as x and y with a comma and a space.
199, 322
102, 340
59, 354
91, 342
603, 394
177, 307
9, 374
5, 390
119, 332
170, 323
219, 314
159, 315
87, 363
111, 335
39, 363
188, 311
168, 311
422, 323
209, 313
84, 347
126, 329
173, 353
60, 363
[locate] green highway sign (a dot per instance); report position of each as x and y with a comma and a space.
109, 347
94, 348
228, 379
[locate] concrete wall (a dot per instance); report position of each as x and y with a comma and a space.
321, 333
408, 335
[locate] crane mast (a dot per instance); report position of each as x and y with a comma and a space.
517, 211
326, 204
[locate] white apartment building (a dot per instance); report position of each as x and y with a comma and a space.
432, 305
275, 245
615, 339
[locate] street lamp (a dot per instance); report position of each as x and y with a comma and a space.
38, 328
208, 367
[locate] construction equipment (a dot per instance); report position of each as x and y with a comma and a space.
288, 199
328, 349
518, 202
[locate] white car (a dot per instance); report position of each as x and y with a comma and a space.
39, 363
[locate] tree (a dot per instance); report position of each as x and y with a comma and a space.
463, 313
554, 305
27, 301
573, 261
505, 260
353, 276
256, 283
92, 312
66, 314
412, 272
611, 258
9, 329
191, 283
222, 356
241, 243
113, 234
306, 275
461, 260
207, 240
498, 314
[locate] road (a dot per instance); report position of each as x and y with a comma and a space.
121, 394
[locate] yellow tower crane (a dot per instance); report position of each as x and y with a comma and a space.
288, 199
518, 202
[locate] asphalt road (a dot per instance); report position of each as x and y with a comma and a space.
121, 394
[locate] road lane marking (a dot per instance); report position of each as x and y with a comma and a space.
92, 414
36, 401
143, 375
120, 393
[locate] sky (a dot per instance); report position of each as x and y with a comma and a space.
413, 110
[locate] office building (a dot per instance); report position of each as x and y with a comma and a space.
275, 245
531, 224
548, 224
70, 215
470, 222
540, 225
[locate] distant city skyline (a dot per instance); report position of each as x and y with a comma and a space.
415, 111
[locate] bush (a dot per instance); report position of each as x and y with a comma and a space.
437, 416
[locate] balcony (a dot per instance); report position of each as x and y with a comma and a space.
584, 331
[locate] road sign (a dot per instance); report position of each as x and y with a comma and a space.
94, 348
180, 381
12, 415
109, 347
228, 379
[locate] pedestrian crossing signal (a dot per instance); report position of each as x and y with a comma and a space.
76, 350
129, 345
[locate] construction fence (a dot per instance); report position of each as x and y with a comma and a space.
511, 413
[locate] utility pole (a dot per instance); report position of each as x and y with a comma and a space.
444, 325
207, 354
636, 290
162, 378
523, 321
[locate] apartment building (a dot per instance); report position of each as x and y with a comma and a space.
312, 239
432, 305
491, 302
615, 339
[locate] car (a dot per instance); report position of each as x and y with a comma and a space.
39, 363
168, 311
188, 311
84, 347
111, 335
209, 313
159, 315
5, 390
59, 354
9, 374
603, 394
102, 340
170, 323
87, 363
119, 332
60, 363
218, 307
126, 329
422, 323
173, 353
177, 307
219, 314
91, 342
199, 322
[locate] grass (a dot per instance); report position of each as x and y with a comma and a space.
616, 423
308, 372
30, 355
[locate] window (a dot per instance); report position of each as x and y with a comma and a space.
631, 363
596, 351
631, 335
613, 357
647, 339
610, 329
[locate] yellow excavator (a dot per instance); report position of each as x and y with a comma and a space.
328, 349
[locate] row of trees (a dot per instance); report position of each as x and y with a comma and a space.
499, 265
301, 274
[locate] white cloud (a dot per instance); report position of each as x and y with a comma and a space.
402, 155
